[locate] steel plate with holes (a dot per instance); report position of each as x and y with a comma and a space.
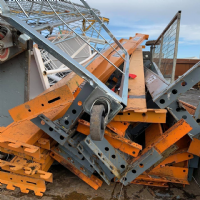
51, 129
99, 166
180, 113
78, 163
76, 108
180, 86
141, 165
108, 155
73, 150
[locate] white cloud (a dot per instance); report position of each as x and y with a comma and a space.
150, 17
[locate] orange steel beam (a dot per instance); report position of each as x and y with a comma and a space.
194, 147
42, 160
150, 116
43, 166
118, 142
176, 158
149, 183
42, 104
164, 145
170, 173
93, 181
24, 183
26, 169
106, 69
118, 127
100, 67
26, 133
161, 179
20, 147
136, 95
152, 133
172, 135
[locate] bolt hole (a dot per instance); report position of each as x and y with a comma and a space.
42, 104
50, 128
184, 117
178, 109
129, 113
74, 111
29, 110
88, 141
184, 171
122, 166
184, 83
107, 149
162, 101
143, 114
133, 171
99, 154
189, 156
61, 137
174, 91
124, 179
113, 156
83, 158
66, 122
141, 165
80, 103
133, 152
198, 120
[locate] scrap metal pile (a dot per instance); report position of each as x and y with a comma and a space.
113, 117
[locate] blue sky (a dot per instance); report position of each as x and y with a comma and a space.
128, 17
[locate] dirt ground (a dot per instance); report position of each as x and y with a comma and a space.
67, 186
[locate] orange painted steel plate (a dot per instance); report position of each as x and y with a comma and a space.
150, 116
136, 95
149, 183
42, 104
118, 127
176, 158
152, 133
28, 169
27, 133
170, 173
24, 183
20, 147
194, 147
172, 135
